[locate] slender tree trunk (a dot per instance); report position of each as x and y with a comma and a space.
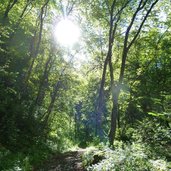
114, 117
11, 4
42, 86
75, 126
53, 98
23, 13
116, 87
113, 18
100, 105
43, 82
34, 51
57, 86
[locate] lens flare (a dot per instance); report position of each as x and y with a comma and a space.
67, 33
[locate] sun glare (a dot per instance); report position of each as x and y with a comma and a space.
66, 32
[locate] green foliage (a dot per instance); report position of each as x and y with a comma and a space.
24, 161
88, 156
130, 157
48, 104
163, 116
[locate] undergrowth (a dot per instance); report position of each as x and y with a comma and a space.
134, 157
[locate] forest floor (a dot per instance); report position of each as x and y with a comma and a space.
69, 161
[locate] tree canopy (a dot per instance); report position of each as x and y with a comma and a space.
83, 73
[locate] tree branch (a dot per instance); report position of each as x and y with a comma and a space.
141, 25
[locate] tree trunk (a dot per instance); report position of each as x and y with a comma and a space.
11, 4
51, 105
19, 21
113, 17
34, 51
100, 105
43, 82
114, 115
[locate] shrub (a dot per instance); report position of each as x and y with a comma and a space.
132, 157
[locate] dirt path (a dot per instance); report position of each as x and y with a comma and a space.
69, 161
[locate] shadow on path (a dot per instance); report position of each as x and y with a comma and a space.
69, 161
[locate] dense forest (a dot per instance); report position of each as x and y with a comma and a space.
85, 76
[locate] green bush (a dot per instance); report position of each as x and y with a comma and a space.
135, 157
12, 161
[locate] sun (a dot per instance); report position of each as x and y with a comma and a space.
66, 32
